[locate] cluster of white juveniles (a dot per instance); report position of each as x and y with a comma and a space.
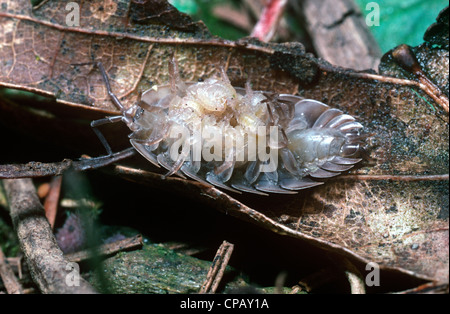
219, 123
243, 140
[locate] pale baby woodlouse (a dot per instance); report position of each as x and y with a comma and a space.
255, 141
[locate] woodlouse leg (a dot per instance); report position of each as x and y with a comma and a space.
103, 161
176, 83
173, 74
101, 137
185, 151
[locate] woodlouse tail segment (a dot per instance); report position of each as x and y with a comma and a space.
326, 134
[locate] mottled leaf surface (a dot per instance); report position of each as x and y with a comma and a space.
389, 219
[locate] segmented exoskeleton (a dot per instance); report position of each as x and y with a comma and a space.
239, 139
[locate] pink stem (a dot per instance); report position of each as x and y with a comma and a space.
268, 21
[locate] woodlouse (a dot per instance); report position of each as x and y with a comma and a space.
236, 138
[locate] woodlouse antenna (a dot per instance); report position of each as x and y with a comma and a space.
127, 114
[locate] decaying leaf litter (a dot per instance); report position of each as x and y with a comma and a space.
400, 222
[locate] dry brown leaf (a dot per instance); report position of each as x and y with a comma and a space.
400, 222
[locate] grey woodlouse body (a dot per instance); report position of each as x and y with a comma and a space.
313, 141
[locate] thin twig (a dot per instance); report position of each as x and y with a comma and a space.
401, 177
49, 269
38, 169
16, 263
107, 249
374, 77
428, 288
217, 268
52, 200
405, 57
10, 281
37, 6
424, 84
